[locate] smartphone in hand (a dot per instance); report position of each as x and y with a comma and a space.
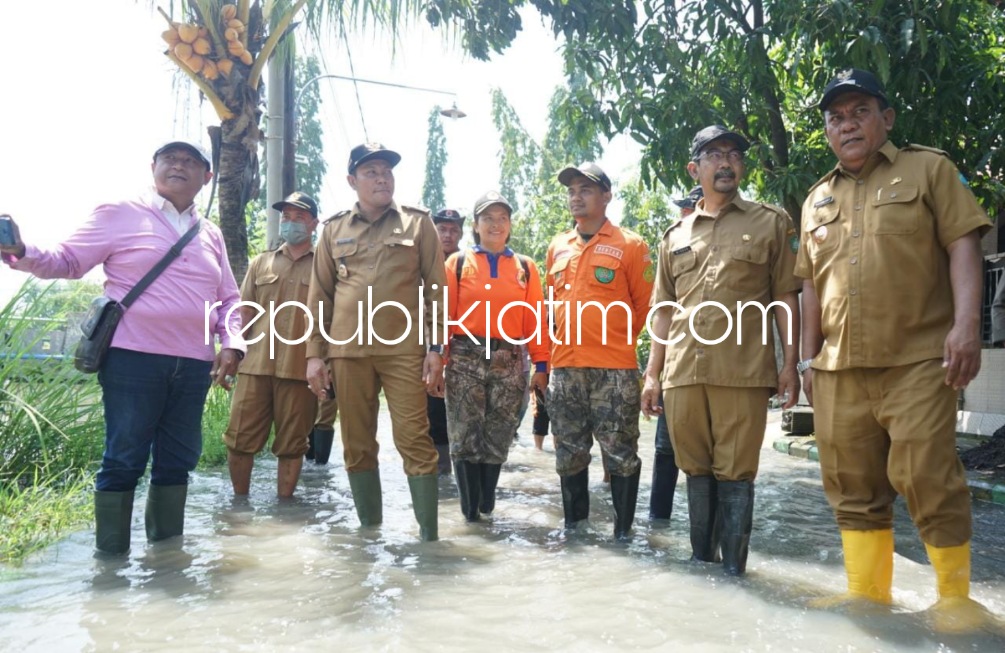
7, 231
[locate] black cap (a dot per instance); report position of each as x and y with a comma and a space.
589, 170
490, 198
191, 146
690, 200
715, 132
850, 80
448, 215
299, 200
368, 151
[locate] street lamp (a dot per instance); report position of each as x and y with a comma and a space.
274, 173
452, 112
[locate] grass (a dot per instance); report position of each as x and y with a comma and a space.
36, 511
215, 417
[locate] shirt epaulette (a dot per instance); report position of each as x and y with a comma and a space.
416, 209
922, 148
629, 234
340, 214
774, 209
673, 225
826, 177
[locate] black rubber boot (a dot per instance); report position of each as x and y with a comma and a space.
443, 464
664, 487
702, 503
165, 514
323, 437
310, 446
490, 480
625, 493
113, 517
468, 476
576, 497
736, 510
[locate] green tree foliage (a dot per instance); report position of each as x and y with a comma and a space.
661, 70
528, 170
434, 186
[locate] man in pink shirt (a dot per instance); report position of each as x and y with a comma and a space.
162, 359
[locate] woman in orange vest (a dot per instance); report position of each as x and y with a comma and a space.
496, 295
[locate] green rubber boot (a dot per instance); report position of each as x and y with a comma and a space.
367, 496
425, 498
113, 516
165, 514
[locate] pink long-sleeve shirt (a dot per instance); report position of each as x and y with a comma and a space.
175, 315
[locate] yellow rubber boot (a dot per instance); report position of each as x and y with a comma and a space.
955, 611
868, 562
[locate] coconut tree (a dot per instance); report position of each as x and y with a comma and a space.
223, 49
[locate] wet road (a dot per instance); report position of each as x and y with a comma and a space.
261, 575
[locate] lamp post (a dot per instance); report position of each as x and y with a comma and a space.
274, 174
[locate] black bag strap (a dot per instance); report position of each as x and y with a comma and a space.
162, 264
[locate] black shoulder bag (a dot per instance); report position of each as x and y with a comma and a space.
104, 314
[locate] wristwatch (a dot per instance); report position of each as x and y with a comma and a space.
436, 349
802, 366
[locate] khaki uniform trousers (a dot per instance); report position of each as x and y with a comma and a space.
327, 413
890, 430
358, 382
717, 430
259, 400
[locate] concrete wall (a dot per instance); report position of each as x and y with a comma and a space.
983, 410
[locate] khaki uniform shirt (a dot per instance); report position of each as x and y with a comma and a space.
276, 277
744, 254
874, 246
359, 265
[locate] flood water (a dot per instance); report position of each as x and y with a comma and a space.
301, 576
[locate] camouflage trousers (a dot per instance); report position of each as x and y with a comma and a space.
590, 402
483, 396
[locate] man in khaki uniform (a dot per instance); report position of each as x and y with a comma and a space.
272, 379
720, 368
380, 252
891, 257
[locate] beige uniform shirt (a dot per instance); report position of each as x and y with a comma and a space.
359, 265
745, 254
276, 277
874, 246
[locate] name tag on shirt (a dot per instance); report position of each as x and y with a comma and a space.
682, 250
824, 202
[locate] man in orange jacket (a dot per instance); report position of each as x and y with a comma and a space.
599, 281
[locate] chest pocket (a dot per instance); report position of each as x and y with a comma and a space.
894, 212
605, 271
343, 254
748, 269
344, 250
823, 230
557, 273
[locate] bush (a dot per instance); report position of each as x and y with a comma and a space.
215, 417
50, 415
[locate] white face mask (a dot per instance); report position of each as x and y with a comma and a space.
293, 233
